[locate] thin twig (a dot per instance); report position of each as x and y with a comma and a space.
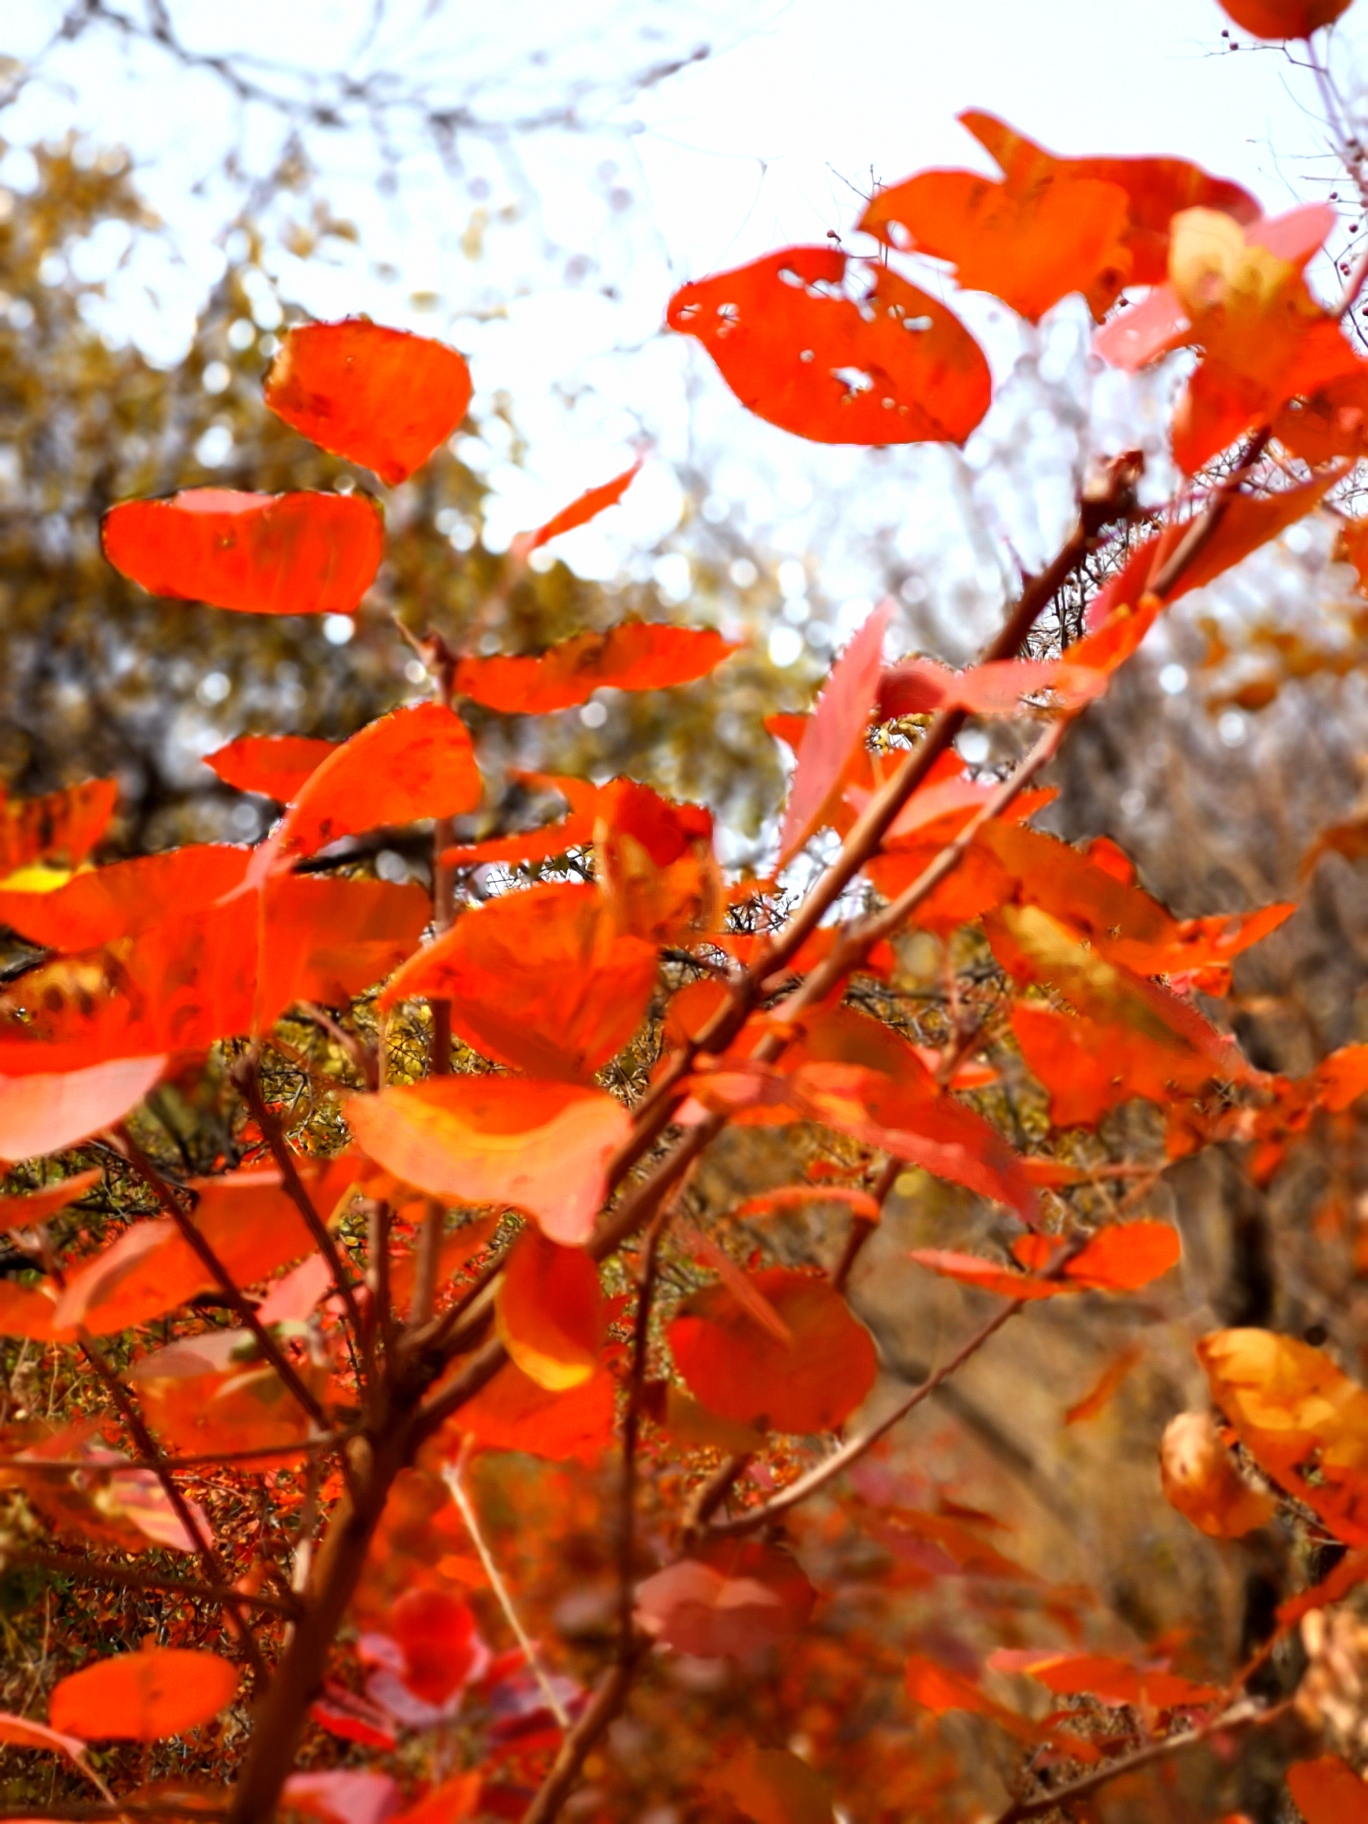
453, 1477
862, 1227
127, 1577
1244, 1715
209, 1260
631, 1431
214, 1568
602, 1708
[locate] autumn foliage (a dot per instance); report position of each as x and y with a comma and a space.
486, 1314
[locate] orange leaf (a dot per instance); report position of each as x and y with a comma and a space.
799, 1196
202, 1397
589, 505
380, 397
1028, 247
773, 1786
1100, 1395
259, 553
28, 1311
734, 1599
107, 903
1201, 1480
23, 1210
143, 1697
550, 1311
935, 1688
46, 1113
1284, 19
276, 766
740, 1371
634, 655
896, 367
1327, 1790
1101, 1675
573, 831
539, 980
835, 735
60, 827
540, 1147
1304, 1422
328, 938
513, 1413
1122, 1258
414, 763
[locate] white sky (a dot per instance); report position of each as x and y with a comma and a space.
737, 155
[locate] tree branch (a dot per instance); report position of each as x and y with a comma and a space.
127, 1577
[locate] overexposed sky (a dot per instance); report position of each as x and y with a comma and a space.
757, 146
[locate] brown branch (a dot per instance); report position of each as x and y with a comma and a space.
248, 1079
840, 1460
127, 1577
1243, 1715
631, 1431
209, 1260
862, 1227
602, 1708
215, 1571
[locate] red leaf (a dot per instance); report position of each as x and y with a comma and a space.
539, 980
1122, 1258
143, 1697
513, 1413
259, 553
326, 939
1327, 1790
589, 505
634, 655
441, 1646
380, 397
107, 903
935, 1688
26, 1209
1284, 19
897, 367
572, 831
550, 1312
835, 735
276, 766
47, 1113
343, 1713
414, 763
1099, 1396
61, 827
1053, 225
1114, 1681
539, 1147
735, 1599
742, 1372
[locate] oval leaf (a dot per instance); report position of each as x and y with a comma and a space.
46, 1113
539, 1147
550, 1311
276, 766
741, 1370
380, 397
634, 655
143, 1697
539, 980
896, 368
258, 553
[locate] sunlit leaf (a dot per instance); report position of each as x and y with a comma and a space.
896, 367
414, 763
513, 1413
259, 553
654, 860
541, 1147
936, 1688
550, 1312
540, 980
380, 397
45, 1113
634, 655
103, 904
61, 827
588, 506
836, 732
1303, 1421
1202, 1481
1122, 1258
1327, 1790
276, 766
